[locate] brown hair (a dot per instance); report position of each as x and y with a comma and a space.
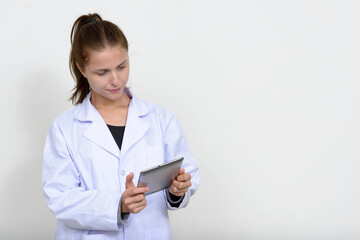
90, 32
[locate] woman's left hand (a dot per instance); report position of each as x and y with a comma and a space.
181, 184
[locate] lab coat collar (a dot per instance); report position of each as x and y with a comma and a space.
99, 133
136, 125
87, 112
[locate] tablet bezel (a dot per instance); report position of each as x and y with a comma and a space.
160, 177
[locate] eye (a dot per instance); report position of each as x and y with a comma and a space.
101, 73
121, 67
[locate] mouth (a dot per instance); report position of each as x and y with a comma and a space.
114, 90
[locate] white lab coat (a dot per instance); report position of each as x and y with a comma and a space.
84, 171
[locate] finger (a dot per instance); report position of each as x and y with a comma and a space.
137, 198
128, 201
182, 171
134, 199
136, 191
138, 206
184, 177
177, 192
133, 207
181, 185
130, 192
139, 209
129, 183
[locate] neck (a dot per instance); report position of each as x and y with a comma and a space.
105, 104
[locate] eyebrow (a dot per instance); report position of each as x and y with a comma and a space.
105, 69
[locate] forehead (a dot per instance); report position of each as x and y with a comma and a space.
107, 57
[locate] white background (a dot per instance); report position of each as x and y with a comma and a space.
267, 93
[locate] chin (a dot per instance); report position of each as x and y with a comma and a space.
113, 97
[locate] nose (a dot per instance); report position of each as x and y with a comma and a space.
114, 78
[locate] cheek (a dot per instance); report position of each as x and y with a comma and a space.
95, 83
126, 79
123, 77
126, 75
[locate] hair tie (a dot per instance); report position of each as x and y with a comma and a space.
90, 20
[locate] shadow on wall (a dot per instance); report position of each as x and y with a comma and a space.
39, 101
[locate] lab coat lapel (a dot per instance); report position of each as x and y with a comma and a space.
136, 126
97, 132
100, 134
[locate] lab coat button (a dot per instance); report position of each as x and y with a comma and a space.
122, 172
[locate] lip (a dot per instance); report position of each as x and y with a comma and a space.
114, 90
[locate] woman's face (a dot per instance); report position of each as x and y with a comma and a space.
107, 72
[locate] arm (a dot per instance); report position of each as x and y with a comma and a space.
132, 201
176, 145
66, 194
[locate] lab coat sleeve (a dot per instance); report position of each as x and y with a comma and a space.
176, 146
67, 197
173, 203
122, 218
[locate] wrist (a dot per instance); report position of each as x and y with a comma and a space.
123, 208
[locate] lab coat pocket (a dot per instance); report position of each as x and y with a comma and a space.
158, 234
94, 237
100, 235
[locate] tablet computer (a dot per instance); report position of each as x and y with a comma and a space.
160, 177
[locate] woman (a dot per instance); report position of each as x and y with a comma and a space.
95, 151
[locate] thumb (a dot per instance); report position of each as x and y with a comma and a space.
129, 183
181, 172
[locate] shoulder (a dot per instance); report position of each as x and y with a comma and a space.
143, 107
162, 111
153, 109
64, 119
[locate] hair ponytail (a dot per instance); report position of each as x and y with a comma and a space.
90, 31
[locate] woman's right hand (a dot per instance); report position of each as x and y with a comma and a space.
133, 199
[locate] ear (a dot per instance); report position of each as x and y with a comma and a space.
81, 70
